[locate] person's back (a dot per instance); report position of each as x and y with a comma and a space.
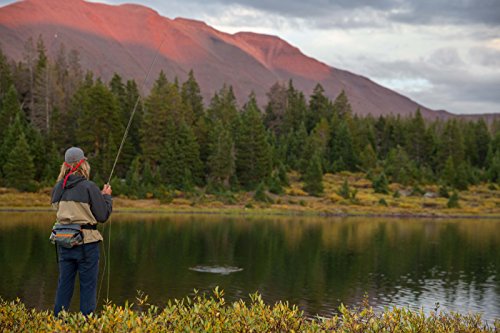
80, 205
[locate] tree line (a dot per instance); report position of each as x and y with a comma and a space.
177, 142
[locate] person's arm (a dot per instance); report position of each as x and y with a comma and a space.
55, 195
101, 203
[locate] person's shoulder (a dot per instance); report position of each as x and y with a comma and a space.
89, 184
57, 185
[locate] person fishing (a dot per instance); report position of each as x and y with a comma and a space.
80, 206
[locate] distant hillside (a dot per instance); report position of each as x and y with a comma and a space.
124, 39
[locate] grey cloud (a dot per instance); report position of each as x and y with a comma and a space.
455, 89
350, 13
486, 57
449, 12
313, 8
446, 57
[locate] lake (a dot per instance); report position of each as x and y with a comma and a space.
315, 263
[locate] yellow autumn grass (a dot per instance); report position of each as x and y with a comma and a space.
478, 200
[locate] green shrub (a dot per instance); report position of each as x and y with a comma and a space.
260, 194
396, 194
382, 202
443, 192
453, 201
345, 191
202, 313
274, 185
381, 184
417, 191
227, 197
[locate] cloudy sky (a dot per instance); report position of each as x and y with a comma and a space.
445, 54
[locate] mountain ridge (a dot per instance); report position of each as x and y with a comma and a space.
124, 39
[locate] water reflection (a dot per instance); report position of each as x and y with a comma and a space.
316, 263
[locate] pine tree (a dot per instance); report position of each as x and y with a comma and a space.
160, 106
191, 151
276, 108
19, 169
363, 133
6, 79
132, 97
117, 87
320, 107
341, 106
180, 162
398, 166
313, 177
295, 112
494, 168
10, 108
223, 107
482, 141
30, 61
171, 163
133, 179
53, 164
341, 151
37, 147
191, 96
221, 161
11, 138
368, 158
99, 129
451, 144
455, 176
316, 143
127, 97
253, 153
381, 184
416, 144
43, 90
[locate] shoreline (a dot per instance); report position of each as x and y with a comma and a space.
271, 212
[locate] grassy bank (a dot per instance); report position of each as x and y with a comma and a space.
212, 314
481, 200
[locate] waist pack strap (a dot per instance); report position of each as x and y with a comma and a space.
89, 226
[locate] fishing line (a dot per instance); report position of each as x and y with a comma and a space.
108, 258
134, 110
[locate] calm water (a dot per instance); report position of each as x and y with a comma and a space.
316, 263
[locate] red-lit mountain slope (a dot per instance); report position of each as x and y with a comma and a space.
124, 39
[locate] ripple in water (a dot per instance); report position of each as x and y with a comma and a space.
223, 270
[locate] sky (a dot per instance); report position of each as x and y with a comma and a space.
444, 54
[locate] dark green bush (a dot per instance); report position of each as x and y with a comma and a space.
443, 192
382, 202
381, 184
453, 201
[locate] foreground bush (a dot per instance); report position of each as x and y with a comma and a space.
212, 314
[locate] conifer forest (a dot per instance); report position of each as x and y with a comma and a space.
178, 141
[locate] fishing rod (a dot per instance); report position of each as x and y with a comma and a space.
125, 134
134, 110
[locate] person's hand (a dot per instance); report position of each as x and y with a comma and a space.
107, 189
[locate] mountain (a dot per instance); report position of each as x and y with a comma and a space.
125, 38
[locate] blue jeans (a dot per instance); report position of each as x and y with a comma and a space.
83, 259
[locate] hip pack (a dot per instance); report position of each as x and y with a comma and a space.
69, 235
66, 235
